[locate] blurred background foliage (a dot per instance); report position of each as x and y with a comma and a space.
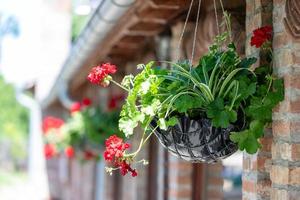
14, 121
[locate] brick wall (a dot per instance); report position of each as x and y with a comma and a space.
274, 172
213, 185
285, 171
180, 179
256, 168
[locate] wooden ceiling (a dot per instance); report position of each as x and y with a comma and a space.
127, 40
133, 34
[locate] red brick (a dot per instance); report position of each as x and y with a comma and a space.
263, 163
257, 4
294, 106
294, 175
263, 188
285, 176
281, 128
249, 186
180, 193
280, 40
181, 165
295, 152
214, 195
279, 175
278, 194
181, 180
286, 151
278, 2
246, 164
281, 151
284, 128
292, 81
215, 181
284, 59
266, 144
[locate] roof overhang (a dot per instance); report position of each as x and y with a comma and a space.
116, 31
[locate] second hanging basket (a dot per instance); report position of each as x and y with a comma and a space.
196, 140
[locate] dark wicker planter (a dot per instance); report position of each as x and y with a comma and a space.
198, 140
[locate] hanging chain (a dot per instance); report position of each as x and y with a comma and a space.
227, 23
221, 3
196, 27
183, 30
217, 18
195, 32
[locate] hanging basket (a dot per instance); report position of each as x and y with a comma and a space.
197, 140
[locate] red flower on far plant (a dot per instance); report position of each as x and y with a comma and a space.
114, 101
51, 123
112, 104
99, 74
86, 102
89, 155
49, 151
69, 152
75, 107
261, 35
114, 152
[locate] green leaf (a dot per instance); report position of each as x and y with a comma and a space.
247, 62
246, 141
220, 115
239, 138
258, 110
251, 144
172, 121
186, 102
257, 127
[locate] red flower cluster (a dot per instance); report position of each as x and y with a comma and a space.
51, 123
49, 151
113, 102
86, 102
261, 35
125, 168
69, 152
114, 152
98, 74
89, 155
77, 106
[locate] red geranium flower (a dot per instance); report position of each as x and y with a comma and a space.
49, 150
115, 148
86, 102
75, 107
89, 155
51, 123
261, 35
98, 74
113, 102
69, 152
125, 168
